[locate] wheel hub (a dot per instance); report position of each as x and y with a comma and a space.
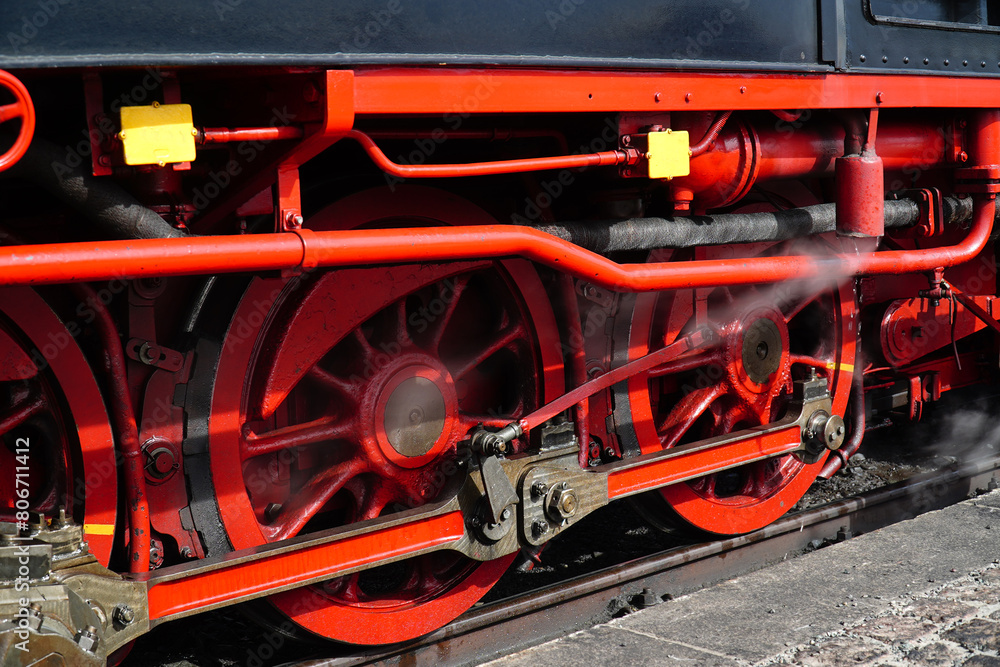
761, 350
411, 418
756, 354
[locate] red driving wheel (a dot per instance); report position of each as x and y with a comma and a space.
344, 396
768, 337
53, 425
21, 108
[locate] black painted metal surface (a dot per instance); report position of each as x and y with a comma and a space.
637, 33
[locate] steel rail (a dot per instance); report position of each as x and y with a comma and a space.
492, 630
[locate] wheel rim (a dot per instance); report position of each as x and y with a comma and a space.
51, 398
768, 337
338, 420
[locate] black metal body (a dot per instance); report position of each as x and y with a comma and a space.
794, 35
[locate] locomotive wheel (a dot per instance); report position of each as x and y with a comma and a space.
768, 337
53, 424
342, 397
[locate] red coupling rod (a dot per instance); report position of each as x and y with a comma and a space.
628, 156
106, 260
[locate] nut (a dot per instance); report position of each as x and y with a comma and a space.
562, 502
123, 616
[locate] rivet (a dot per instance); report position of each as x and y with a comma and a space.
687, 97
982, 64
906, 60
885, 59
927, 61
743, 90
965, 63
656, 97
863, 58
946, 62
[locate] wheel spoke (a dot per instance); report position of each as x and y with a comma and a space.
345, 389
376, 501
311, 499
459, 283
686, 364
367, 352
402, 333
10, 112
300, 435
506, 337
688, 411
21, 412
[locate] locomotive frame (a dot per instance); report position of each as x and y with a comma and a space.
282, 380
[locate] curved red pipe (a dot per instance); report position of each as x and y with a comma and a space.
123, 417
711, 135
106, 260
490, 168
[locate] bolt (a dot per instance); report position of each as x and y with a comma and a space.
505, 514
36, 521
60, 519
271, 511
649, 598
539, 489
123, 616
539, 527
627, 140
187, 552
87, 639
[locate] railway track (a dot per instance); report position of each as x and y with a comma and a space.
504, 626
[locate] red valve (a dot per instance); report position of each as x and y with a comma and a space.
23, 109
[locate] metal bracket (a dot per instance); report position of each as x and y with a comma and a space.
151, 354
500, 492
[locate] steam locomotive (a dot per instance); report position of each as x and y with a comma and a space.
341, 306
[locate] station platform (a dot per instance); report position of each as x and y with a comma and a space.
925, 591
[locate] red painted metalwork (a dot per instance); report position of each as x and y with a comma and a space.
577, 364
913, 328
710, 136
123, 417
23, 109
77, 262
222, 135
604, 158
50, 382
183, 595
469, 332
649, 361
714, 393
399, 91
861, 189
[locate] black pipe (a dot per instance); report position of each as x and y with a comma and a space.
101, 200
689, 232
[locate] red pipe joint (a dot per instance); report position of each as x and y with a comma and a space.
860, 195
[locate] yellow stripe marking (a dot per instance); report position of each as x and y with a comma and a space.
99, 528
847, 368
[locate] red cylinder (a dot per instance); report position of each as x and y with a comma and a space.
860, 195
